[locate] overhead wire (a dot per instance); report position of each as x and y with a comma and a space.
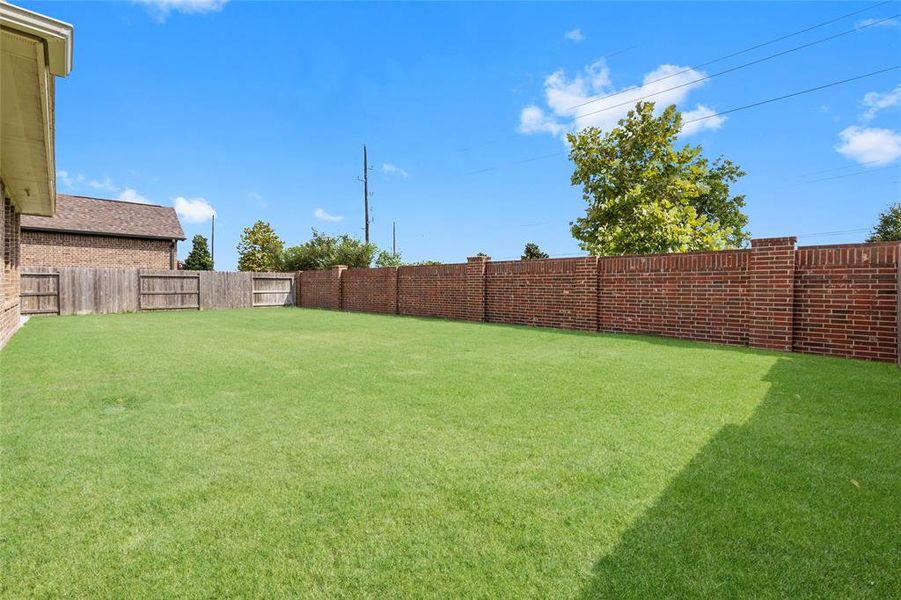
730, 69
745, 50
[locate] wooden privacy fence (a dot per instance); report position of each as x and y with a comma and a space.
40, 294
89, 290
272, 289
175, 290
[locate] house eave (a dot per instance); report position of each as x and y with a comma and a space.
34, 49
58, 36
104, 234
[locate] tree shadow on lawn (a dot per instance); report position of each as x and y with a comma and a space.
799, 501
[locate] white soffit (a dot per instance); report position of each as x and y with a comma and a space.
33, 49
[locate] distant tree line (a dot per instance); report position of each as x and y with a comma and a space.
644, 194
261, 249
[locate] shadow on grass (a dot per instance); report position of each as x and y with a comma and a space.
799, 501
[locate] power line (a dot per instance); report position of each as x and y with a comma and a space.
704, 64
854, 174
842, 168
743, 51
792, 95
710, 116
496, 140
732, 69
834, 177
516, 162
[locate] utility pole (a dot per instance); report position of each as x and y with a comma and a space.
366, 194
394, 238
213, 242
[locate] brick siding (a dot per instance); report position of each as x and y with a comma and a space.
9, 278
835, 300
50, 249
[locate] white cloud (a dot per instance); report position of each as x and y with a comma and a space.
106, 184
707, 120
876, 101
870, 145
131, 195
574, 35
69, 180
162, 8
194, 210
877, 23
533, 120
589, 99
389, 169
324, 216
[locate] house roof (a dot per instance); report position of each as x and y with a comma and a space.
79, 214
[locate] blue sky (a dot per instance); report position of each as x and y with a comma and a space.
260, 110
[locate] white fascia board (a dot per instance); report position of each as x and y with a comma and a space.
58, 35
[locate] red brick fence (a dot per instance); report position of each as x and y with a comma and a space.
838, 300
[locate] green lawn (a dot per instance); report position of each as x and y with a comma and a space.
299, 452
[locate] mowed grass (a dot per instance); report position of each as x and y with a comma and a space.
277, 452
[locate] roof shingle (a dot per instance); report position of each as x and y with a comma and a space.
80, 214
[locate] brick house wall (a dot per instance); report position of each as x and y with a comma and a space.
9, 278
835, 300
61, 249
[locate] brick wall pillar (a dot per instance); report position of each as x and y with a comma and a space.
771, 280
337, 288
297, 277
396, 292
475, 287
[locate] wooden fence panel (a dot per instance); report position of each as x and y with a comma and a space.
168, 290
39, 294
81, 290
225, 289
273, 289
95, 290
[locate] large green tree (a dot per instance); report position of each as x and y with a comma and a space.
323, 251
199, 259
888, 229
260, 249
645, 195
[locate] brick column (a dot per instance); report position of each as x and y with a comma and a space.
337, 288
396, 292
297, 277
898, 304
772, 284
475, 287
